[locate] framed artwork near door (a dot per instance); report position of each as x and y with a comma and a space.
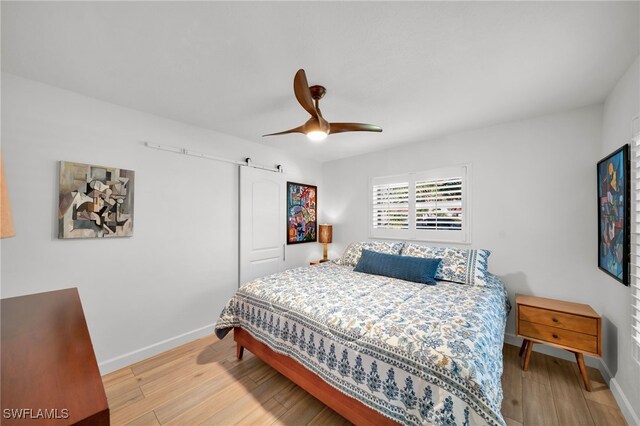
95, 201
613, 214
302, 210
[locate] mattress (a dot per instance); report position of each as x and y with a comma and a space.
416, 353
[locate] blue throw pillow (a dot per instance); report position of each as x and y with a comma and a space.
416, 269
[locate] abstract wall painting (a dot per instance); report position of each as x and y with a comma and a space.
95, 201
613, 214
302, 210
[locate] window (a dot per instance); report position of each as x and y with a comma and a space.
427, 206
391, 205
635, 247
439, 204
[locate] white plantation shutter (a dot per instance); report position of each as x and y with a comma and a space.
439, 204
390, 206
634, 282
426, 206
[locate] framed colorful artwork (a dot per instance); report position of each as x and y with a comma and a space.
95, 201
613, 214
302, 210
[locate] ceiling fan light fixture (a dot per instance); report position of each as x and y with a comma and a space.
317, 135
317, 128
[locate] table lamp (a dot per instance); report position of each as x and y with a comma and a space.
326, 233
6, 220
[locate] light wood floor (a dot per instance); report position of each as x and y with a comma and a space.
203, 383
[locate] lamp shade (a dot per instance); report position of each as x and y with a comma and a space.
326, 233
6, 220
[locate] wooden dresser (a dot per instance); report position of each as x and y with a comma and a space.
49, 371
571, 326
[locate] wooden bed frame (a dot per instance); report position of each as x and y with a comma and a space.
349, 408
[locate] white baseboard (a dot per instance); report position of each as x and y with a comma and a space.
129, 358
624, 404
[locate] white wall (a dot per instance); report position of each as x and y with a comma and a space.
180, 267
621, 107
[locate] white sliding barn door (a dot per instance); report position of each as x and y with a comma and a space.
262, 223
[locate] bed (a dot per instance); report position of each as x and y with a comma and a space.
378, 350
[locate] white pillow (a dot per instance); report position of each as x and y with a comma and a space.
352, 253
464, 266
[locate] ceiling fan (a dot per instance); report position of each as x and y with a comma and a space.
317, 128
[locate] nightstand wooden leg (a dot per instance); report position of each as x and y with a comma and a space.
239, 351
583, 370
527, 356
523, 348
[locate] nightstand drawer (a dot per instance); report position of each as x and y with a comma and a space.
576, 323
579, 341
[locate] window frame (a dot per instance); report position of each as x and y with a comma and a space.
462, 236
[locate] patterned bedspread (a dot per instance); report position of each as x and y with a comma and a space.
418, 354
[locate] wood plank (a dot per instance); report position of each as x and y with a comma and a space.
219, 381
233, 358
236, 411
301, 413
119, 397
191, 366
197, 366
537, 369
194, 407
604, 415
179, 352
232, 384
539, 407
263, 414
328, 417
571, 406
511, 422
291, 395
512, 384
224, 344
262, 373
198, 358
148, 419
117, 376
600, 391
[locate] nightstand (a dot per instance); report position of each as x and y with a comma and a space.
566, 325
317, 262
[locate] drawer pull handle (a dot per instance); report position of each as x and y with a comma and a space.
555, 336
554, 319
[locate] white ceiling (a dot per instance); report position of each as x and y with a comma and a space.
417, 69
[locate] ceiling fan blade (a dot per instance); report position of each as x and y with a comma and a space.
353, 127
296, 130
302, 92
